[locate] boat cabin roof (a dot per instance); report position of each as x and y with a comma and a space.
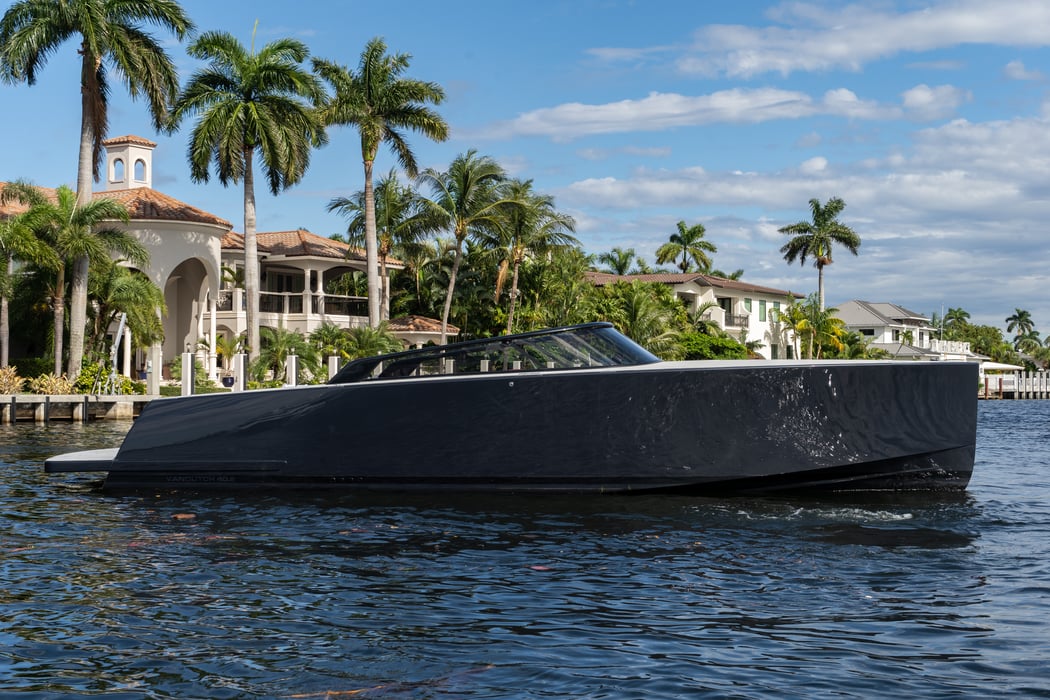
566, 348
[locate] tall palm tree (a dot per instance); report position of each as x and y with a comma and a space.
816, 238
465, 202
532, 226
1021, 321
689, 243
381, 104
76, 232
617, 261
251, 103
112, 40
398, 220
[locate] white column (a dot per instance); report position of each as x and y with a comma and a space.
214, 337
126, 371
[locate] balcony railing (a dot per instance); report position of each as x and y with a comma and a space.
292, 303
731, 320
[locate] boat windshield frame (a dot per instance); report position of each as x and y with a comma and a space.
581, 346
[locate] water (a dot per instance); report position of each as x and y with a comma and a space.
526, 597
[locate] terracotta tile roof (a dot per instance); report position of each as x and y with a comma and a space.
299, 243
137, 140
235, 241
602, 279
419, 324
148, 204
142, 203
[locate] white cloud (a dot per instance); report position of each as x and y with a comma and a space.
1015, 70
814, 165
808, 37
661, 111
924, 102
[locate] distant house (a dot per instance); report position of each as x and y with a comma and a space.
902, 333
195, 258
748, 312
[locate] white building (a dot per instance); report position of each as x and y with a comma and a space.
902, 333
190, 249
748, 312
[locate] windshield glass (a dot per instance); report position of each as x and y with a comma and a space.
591, 345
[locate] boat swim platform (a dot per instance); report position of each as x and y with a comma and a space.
76, 408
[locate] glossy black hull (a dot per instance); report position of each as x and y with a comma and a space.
699, 428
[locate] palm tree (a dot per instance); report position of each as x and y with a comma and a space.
1021, 321
532, 226
364, 341
112, 40
465, 202
690, 244
381, 105
226, 346
816, 238
16, 241
643, 312
398, 223
117, 289
793, 318
617, 261
329, 339
73, 233
277, 345
1028, 342
251, 103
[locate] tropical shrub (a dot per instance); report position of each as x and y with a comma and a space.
33, 366
700, 346
93, 379
51, 384
10, 381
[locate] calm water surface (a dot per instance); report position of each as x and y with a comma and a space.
524, 597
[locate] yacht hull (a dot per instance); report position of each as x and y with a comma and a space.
695, 427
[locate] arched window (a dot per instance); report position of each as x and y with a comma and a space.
118, 170
140, 170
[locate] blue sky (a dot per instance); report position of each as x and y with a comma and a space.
930, 119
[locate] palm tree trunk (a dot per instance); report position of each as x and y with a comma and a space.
58, 302
384, 306
251, 257
77, 315
513, 298
820, 284
371, 248
85, 178
5, 318
451, 290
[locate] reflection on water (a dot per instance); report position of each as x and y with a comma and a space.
391, 596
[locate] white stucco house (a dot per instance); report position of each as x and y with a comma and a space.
194, 255
904, 334
746, 311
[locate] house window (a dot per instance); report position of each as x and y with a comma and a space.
747, 304
776, 306
118, 170
140, 171
896, 335
870, 332
762, 310
774, 352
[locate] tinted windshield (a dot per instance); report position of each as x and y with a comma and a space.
591, 345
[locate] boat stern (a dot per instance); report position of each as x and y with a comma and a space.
85, 461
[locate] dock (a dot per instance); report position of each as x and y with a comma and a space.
76, 408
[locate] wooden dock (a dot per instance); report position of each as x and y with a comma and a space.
78, 408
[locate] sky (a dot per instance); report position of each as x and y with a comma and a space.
930, 119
